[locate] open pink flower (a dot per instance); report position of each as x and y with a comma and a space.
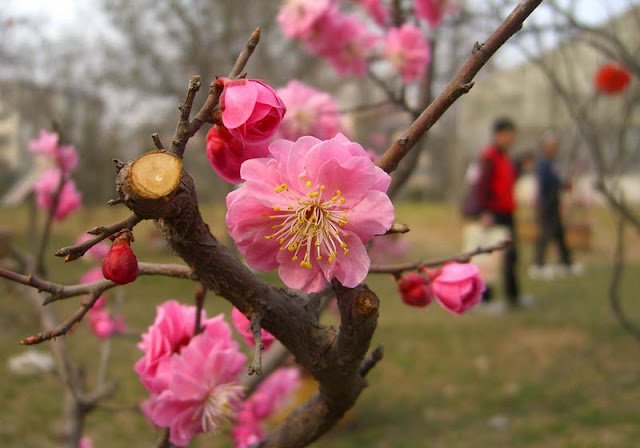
377, 10
433, 11
408, 51
309, 112
251, 110
268, 399
171, 331
414, 290
70, 200
203, 392
97, 251
310, 210
226, 153
102, 323
298, 17
458, 287
242, 325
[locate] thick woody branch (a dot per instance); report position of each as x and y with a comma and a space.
461, 258
459, 85
78, 250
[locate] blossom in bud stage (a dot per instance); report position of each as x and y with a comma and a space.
310, 210
414, 290
202, 392
103, 324
297, 18
309, 112
69, 201
120, 265
408, 52
242, 325
97, 251
433, 11
172, 330
458, 287
266, 400
251, 110
226, 153
64, 156
612, 78
377, 10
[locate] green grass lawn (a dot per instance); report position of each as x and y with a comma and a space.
562, 374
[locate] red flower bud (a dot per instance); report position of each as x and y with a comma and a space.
414, 290
121, 265
612, 78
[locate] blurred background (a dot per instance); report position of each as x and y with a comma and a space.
563, 373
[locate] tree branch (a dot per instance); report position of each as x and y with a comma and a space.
459, 85
256, 364
461, 258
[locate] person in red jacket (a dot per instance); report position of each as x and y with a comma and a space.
496, 198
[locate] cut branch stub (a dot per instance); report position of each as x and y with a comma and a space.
149, 182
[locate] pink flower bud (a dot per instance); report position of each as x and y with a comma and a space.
459, 287
120, 265
227, 153
414, 290
251, 110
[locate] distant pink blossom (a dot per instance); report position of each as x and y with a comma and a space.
458, 287
408, 51
69, 201
169, 334
251, 109
310, 210
297, 18
242, 325
103, 324
385, 249
309, 112
94, 275
414, 290
268, 399
97, 251
377, 10
85, 442
226, 153
65, 157
433, 11
203, 392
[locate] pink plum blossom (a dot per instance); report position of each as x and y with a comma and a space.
242, 325
203, 392
251, 109
266, 400
433, 11
69, 201
309, 112
94, 275
310, 210
103, 324
226, 153
85, 442
458, 287
298, 17
97, 251
384, 249
171, 331
377, 10
64, 156
408, 51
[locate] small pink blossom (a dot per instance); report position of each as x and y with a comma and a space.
97, 251
242, 325
64, 156
433, 11
388, 248
85, 442
251, 109
69, 201
377, 10
408, 52
458, 287
298, 17
265, 401
226, 153
309, 112
203, 392
103, 324
94, 275
169, 334
310, 210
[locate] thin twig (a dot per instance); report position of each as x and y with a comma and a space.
370, 362
398, 228
201, 293
156, 141
46, 231
163, 441
459, 85
78, 250
461, 258
256, 329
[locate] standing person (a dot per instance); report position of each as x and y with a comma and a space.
550, 186
495, 197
